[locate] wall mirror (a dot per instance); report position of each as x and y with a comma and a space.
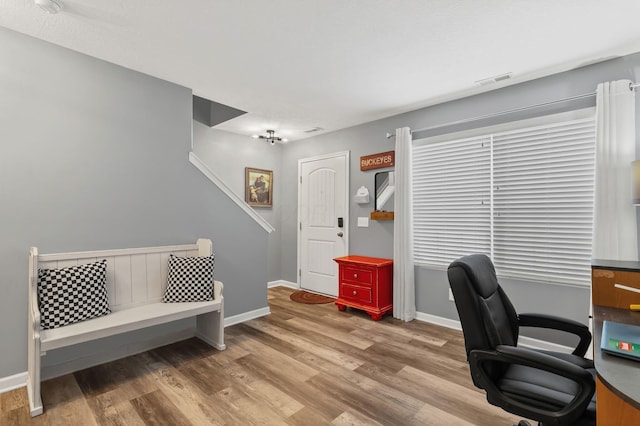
385, 184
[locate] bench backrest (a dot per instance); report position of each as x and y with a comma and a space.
135, 276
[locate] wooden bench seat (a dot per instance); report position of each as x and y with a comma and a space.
123, 321
136, 280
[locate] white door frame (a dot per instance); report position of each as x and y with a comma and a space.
344, 154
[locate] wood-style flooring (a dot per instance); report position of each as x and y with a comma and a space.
301, 365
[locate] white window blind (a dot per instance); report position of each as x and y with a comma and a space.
524, 197
451, 190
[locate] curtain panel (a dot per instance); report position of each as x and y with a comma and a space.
615, 229
404, 295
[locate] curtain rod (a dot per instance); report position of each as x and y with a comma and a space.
510, 111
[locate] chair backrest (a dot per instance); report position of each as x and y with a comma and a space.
487, 316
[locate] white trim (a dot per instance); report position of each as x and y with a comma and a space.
444, 322
52, 257
527, 342
530, 342
283, 283
10, 383
200, 165
237, 319
347, 156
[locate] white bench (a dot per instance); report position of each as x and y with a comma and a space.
136, 280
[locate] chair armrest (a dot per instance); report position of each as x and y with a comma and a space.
559, 323
515, 355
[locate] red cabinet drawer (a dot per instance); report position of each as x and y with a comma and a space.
357, 275
365, 283
356, 293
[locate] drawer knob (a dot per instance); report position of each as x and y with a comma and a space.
355, 292
355, 275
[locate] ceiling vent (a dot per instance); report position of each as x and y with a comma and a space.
493, 79
313, 130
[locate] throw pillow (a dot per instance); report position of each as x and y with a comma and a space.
73, 294
190, 279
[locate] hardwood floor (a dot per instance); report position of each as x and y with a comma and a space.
301, 365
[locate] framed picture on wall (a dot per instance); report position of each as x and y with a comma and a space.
258, 187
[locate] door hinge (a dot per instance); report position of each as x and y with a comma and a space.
301, 226
299, 272
300, 179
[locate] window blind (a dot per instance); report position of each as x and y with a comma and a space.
543, 202
451, 190
524, 197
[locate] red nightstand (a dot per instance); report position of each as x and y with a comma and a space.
365, 283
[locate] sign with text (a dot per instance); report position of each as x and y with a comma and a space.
378, 161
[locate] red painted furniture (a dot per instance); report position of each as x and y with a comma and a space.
365, 283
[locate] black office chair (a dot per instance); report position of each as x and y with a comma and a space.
549, 387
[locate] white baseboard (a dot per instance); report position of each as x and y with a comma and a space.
13, 382
283, 283
530, 342
524, 341
237, 319
445, 322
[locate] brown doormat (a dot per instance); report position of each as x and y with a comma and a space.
302, 296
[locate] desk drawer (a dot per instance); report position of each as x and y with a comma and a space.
356, 293
605, 293
357, 275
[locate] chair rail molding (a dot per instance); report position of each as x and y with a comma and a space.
200, 165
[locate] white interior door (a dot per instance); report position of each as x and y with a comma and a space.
323, 201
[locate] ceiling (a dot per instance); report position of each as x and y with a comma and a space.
298, 64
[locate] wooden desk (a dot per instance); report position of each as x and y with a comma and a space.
618, 379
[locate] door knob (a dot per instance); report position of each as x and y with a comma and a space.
340, 234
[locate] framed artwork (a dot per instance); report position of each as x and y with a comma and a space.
258, 185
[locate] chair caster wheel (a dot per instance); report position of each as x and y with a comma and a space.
523, 423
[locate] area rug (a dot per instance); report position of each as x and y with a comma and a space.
302, 296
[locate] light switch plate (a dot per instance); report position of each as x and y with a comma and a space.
363, 222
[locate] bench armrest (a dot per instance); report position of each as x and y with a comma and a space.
217, 289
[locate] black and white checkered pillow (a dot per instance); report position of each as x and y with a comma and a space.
73, 294
190, 279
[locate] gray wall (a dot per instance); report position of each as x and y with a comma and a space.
227, 154
95, 156
369, 138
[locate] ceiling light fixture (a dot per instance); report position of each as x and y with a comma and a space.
271, 137
49, 6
